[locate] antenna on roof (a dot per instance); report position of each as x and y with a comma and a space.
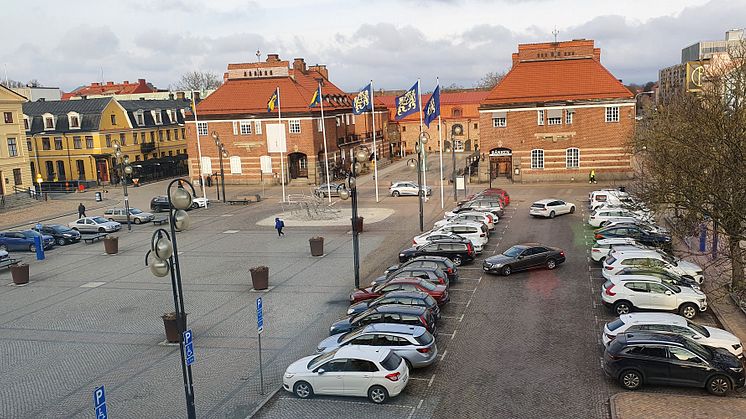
258, 55
555, 32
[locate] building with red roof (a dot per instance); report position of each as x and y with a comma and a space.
237, 112
557, 114
110, 89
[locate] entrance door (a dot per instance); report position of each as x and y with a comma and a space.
298, 163
102, 171
458, 145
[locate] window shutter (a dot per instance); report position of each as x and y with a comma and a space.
206, 165
235, 165
235, 127
257, 127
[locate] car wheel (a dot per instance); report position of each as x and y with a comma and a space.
630, 379
138, 221
622, 307
409, 364
3, 247
395, 194
111, 219
572, 210
31, 248
718, 385
76, 229
551, 264
603, 223
378, 394
61, 242
101, 230
688, 310
303, 390
422, 193
195, 205
551, 214
602, 260
457, 260
506, 270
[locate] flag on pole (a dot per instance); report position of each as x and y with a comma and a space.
363, 101
316, 99
432, 107
272, 102
408, 103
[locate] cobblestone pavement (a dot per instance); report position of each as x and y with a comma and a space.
655, 406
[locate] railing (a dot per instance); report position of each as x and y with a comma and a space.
147, 147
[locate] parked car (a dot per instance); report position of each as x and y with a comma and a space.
4, 255
469, 216
637, 233
413, 343
23, 240
662, 274
457, 251
94, 225
432, 235
387, 313
376, 373
137, 216
328, 189
445, 264
622, 295
62, 234
412, 298
434, 275
603, 196
160, 203
671, 323
495, 211
635, 359
524, 256
619, 259
550, 208
484, 203
601, 248
648, 226
501, 193
408, 188
477, 233
601, 217
438, 292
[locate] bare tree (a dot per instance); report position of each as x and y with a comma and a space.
12, 83
33, 83
198, 80
490, 80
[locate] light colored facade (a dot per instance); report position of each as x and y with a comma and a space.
34, 94
14, 160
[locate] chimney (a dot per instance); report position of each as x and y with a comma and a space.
170, 96
515, 58
109, 83
95, 84
196, 96
180, 95
299, 65
126, 82
141, 82
273, 58
321, 69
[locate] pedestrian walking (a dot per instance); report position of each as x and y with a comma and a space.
81, 210
279, 224
592, 176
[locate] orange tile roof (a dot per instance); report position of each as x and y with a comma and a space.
250, 96
557, 80
111, 88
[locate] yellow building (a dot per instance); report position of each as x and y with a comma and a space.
15, 172
72, 141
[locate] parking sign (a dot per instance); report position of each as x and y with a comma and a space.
259, 316
188, 347
99, 403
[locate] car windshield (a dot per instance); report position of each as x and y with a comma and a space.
513, 251
616, 324
392, 361
698, 349
315, 362
427, 285
425, 338
351, 335
430, 301
675, 288
699, 329
31, 233
100, 219
610, 260
135, 211
60, 229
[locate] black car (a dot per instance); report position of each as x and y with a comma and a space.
656, 358
388, 313
639, 234
524, 256
434, 275
443, 263
62, 234
160, 203
455, 250
411, 298
665, 276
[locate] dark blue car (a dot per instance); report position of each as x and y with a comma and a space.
23, 240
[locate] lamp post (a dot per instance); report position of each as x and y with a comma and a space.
456, 129
124, 170
350, 191
419, 148
221, 153
163, 259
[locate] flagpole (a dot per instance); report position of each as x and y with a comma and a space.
422, 149
440, 147
199, 148
282, 157
326, 157
375, 149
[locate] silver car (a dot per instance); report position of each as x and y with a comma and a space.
94, 225
137, 216
408, 188
413, 343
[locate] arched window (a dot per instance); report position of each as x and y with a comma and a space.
537, 158
456, 112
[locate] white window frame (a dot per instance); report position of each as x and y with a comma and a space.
258, 127
235, 165
612, 114
572, 158
294, 126
49, 117
540, 117
554, 121
157, 116
347, 119
26, 122
339, 121
353, 119
140, 117
537, 158
206, 165
70, 116
202, 129
245, 127
320, 125
235, 127
569, 114
499, 122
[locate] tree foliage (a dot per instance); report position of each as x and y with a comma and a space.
490, 80
198, 80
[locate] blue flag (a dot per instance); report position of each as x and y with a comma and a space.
408, 103
432, 107
273, 100
363, 101
316, 98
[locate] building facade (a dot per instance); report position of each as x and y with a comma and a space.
15, 173
557, 115
34, 94
110, 89
237, 112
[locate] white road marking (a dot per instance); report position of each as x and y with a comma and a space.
230, 232
452, 336
92, 284
419, 405
462, 318
430, 384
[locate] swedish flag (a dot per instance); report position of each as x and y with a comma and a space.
316, 99
272, 102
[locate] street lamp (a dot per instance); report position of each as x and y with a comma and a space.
163, 259
221, 153
419, 147
124, 170
456, 129
362, 154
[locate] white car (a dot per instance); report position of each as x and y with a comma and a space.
201, 202
672, 323
408, 188
635, 257
364, 371
607, 197
601, 248
551, 207
649, 293
477, 233
601, 217
431, 235
94, 225
478, 217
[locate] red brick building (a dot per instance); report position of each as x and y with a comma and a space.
557, 115
237, 111
110, 88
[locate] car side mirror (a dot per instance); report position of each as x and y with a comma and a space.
519, 257
696, 336
320, 371
669, 293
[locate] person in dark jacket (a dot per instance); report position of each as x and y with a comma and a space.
81, 210
279, 224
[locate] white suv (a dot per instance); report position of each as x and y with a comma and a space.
477, 233
603, 216
602, 247
408, 188
671, 323
476, 216
647, 293
619, 259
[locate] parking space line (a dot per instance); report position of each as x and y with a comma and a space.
468, 302
418, 378
411, 413
419, 405
462, 318
448, 317
443, 356
343, 402
452, 336
430, 384
462, 289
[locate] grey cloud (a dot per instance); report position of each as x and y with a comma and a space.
89, 42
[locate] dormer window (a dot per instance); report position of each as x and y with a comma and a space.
73, 120
173, 117
157, 117
140, 117
48, 121
26, 123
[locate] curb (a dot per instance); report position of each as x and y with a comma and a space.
263, 402
612, 406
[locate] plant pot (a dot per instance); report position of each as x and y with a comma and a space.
173, 334
317, 246
111, 245
260, 277
20, 273
359, 224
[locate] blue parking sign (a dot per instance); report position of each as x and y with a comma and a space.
188, 347
99, 403
259, 315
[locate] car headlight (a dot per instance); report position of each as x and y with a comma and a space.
737, 346
350, 311
331, 329
401, 254
289, 375
737, 369
67, 235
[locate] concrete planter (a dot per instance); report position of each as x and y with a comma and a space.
260, 277
20, 273
111, 245
173, 334
359, 224
317, 246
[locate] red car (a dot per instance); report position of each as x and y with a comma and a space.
438, 292
502, 193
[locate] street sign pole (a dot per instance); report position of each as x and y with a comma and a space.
99, 403
259, 329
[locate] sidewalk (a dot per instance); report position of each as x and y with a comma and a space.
55, 208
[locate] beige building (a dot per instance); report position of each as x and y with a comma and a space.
15, 171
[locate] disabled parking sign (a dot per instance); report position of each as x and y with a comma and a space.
99, 403
188, 347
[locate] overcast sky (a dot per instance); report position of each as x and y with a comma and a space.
393, 42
